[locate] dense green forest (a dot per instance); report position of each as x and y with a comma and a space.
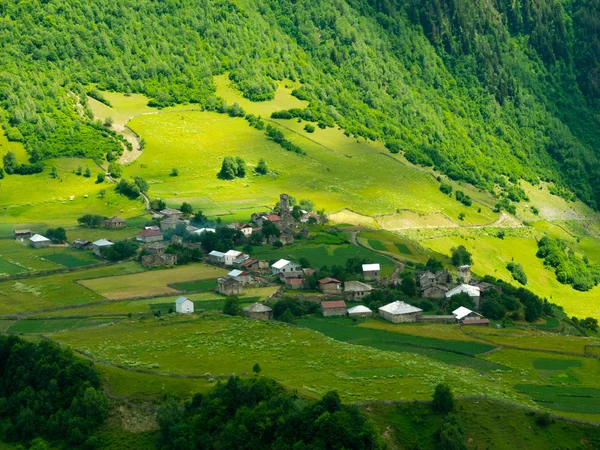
260, 414
47, 392
487, 92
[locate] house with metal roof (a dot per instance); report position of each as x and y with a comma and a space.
240, 275
354, 290
39, 241
472, 291
285, 266
149, 235
216, 257
463, 313
258, 311
371, 272
399, 312
359, 311
229, 256
98, 245
184, 305
330, 285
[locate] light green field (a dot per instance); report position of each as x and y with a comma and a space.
152, 282
53, 325
93, 234
30, 294
30, 259
436, 331
299, 358
491, 254
38, 198
396, 245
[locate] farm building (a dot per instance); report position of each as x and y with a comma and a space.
240, 275
446, 318
355, 290
243, 227
216, 257
39, 241
156, 247
148, 236
229, 286
254, 264
159, 259
359, 311
114, 222
334, 308
398, 312
472, 291
229, 256
258, 311
463, 313
294, 283
170, 222
371, 272
464, 274
81, 244
434, 291
330, 285
98, 245
22, 234
285, 266
167, 212
184, 305
427, 279
479, 322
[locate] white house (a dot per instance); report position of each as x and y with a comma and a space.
472, 291
240, 275
39, 241
216, 257
98, 245
398, 311
285, 266
184, 305
371, 271
229, 256
463, 313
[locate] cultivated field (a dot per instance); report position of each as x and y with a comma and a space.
152, 282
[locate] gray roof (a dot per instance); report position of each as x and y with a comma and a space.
257, 307
356, 286
398, 307
181, 299
38, 238
102, 243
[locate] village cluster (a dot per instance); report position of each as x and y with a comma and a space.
248, 271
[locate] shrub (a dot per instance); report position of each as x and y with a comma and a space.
443, 399
309, 128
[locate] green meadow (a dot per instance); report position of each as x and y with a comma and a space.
491, 254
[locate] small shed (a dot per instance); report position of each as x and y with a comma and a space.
463, 313
240, 275
333, 308
371, 272
98, 245
184, 305
399, 312
258, 311
216, 257
480, 322
114, 222
330, 285
39, 241
22, 234
149, 235
359, 311
229, 286
354, 290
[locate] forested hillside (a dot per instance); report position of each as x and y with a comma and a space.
487, 92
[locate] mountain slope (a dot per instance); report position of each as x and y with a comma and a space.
487, 93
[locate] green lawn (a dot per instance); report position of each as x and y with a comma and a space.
8, 268
54, 325
201, 285
568, 399
70, 261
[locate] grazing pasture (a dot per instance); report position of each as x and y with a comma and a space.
151, 282
201, 285
46, 326
297, 357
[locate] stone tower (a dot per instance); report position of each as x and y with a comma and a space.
284, 206
464, 274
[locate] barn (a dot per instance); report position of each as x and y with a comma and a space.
184, 305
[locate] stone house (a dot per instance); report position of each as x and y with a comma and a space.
464, 274
434, 291
330, 286
399, 312
229, 286
114, 222
463, 313
285, 266
294, 283
39, 241
258, 311
159, 260
22, 234
472, 291
333, 308
170, 222
371, 272
240, 275
149, 236
100, 244
359, 311
156, 247
355, 290
167, 212
81, 244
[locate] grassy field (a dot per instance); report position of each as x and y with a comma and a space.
297, 357
201, 285
151, 282
491, 254
61, 289
485, 424
53, 325
397, 245
427, 330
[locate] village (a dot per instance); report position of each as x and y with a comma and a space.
171, 233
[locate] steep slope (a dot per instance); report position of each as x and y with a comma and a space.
487, 93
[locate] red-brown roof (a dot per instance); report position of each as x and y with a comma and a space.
273, 218
333, 304
329, 280
149, 233
308, 271
294, 281
249, 262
